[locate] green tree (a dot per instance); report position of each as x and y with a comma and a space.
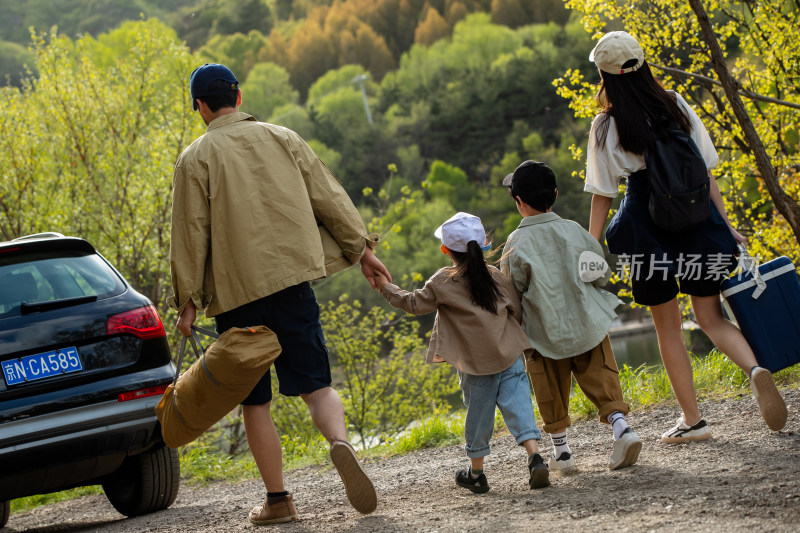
763, 62
516, 13
382, 394
242, 16
337, 109
76, 17
267, 88
448, 182
101, 131
295, 117
14, 62
237, 51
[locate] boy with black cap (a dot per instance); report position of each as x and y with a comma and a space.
559, 268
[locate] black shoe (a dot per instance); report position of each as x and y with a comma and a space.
477, 485
540, 474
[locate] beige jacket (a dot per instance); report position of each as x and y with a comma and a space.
248, 199
465, 335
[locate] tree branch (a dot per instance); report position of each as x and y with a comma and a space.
784, 203
743, 92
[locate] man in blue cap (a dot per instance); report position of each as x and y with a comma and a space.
255, 217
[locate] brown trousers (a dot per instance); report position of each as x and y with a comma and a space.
596, 373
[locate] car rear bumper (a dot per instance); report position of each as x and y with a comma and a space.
72, 447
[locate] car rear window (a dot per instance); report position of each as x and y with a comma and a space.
50, 276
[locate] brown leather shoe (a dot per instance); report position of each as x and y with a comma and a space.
278, 512
360, 490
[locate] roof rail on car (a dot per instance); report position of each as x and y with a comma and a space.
44, 235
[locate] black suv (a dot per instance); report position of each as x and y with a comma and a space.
84, 360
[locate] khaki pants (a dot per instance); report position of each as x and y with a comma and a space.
596, 373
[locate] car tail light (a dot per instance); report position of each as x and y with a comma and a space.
141, 393
143, 322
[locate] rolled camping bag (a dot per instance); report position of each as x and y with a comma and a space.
216, 383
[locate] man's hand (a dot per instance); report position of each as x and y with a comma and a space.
186, 318
371, 266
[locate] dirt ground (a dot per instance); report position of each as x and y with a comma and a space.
745, 479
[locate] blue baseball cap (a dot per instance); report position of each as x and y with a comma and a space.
203, 76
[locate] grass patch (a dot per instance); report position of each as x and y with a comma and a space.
437, 430
20, 505
201, 465
715, 376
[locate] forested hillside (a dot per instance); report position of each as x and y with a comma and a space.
456, 93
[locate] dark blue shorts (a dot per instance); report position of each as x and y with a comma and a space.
693, 262
293, 314
657, 291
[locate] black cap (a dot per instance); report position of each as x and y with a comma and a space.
534, 183
202, 77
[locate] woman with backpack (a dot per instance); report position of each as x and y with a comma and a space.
664, 262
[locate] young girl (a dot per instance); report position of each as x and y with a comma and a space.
477, 330
632, 100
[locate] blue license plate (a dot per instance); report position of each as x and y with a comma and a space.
41, 365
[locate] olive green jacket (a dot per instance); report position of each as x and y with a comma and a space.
254, 211
563, 315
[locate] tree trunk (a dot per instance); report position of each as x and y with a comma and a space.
785, 204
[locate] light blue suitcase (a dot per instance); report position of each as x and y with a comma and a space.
767, 310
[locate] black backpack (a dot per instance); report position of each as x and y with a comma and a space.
679, 185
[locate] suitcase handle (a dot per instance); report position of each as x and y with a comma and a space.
197, 347
747, 263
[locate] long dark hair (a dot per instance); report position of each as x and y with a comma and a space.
635, 100
485, 292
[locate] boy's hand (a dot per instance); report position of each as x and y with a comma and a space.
381, 281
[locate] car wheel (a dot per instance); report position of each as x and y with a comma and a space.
5, 512
145, 483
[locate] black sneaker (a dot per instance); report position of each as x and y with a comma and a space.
540, 474
478, 485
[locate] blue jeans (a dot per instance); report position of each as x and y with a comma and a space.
509, 390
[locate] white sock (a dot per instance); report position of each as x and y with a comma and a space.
560, 443
618, 423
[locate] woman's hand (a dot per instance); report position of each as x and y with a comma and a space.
738, 237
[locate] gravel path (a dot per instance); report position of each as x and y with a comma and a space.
745, 479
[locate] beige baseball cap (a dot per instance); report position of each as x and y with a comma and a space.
615, 49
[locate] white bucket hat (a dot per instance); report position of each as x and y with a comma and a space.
459, 230
615, 49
